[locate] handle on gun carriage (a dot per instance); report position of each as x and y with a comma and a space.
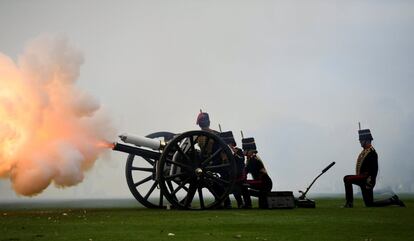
328, 167
303, 196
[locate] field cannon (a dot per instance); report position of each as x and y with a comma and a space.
192, 170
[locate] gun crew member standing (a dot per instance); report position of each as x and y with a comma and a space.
261, 182
366, 174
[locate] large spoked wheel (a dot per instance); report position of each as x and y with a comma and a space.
141, 177
196, 171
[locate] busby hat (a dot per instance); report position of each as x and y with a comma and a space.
365, 135
203, 120
249, 144
228, 137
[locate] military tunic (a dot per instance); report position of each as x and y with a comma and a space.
365, 178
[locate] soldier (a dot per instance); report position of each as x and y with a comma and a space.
261, 183
240, 189
207, 147
366, 174
203, 120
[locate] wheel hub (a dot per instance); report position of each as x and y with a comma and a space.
199, 172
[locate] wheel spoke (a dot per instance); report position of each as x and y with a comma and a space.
143, 181
184, 187
217, 179
217, 191
211, 189
150, 161
190, 194
174, 176
192, 143
192, 149
144, 169
161, 199
221, 166
181, 185
204, 163
182, 153
151, 190
200, 196
179, 164
195, 141
170, 186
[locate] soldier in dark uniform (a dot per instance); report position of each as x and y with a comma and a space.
208, 147
261, 183
366, 174
203, 120
240, 189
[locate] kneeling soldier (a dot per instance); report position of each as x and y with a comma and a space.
366, 174
261, 183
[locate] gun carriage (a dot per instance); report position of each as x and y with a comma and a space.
192, 170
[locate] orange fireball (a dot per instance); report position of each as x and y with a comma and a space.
49, 129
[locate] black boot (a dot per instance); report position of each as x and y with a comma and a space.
348, 205
396, 201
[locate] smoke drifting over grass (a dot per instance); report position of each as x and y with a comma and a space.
50, 131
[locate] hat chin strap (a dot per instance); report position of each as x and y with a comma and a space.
365, 143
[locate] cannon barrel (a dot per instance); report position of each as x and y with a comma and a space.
136, 151
143, 141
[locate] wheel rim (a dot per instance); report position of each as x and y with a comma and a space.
197, 177
141, 178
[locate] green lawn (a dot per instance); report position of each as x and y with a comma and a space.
327, 222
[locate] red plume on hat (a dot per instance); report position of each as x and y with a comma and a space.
203, 120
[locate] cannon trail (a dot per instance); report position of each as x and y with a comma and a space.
50, 130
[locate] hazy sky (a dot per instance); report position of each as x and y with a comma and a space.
296, 75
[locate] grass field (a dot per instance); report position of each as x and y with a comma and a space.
327, 222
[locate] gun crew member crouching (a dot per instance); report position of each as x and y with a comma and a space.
366, 174
240, 189
261, 183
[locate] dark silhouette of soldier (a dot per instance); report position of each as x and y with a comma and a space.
203, 120
261, 183
240, 189
208, 147
366, 174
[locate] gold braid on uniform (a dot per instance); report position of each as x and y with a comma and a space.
364, 153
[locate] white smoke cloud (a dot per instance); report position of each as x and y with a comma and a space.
50, 131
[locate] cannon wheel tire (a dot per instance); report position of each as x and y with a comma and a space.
142, 172
196, 178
